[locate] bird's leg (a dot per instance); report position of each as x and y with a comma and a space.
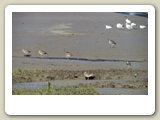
128, 67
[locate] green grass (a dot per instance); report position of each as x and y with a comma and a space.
55, 91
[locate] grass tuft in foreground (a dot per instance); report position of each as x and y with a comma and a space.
55, 91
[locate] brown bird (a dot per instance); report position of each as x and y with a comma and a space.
128, 64
41, 52
88, 75
67, 54
26, 52
111, 42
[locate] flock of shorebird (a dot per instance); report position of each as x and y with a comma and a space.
129, 25
68, 54
42, 53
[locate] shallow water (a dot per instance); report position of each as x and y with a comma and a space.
121, 91
144, 14
75, 59
62, 63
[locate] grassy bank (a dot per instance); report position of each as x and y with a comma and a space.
55, 91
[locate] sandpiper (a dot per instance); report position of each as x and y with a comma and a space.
120, 26
67, 54
111, 42
41, 52
26, 52
88, 75
128, 64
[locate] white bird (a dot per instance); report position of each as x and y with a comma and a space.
134, 25
120, 26
88, 74
109, 27
142, 26
128, 21
128, 26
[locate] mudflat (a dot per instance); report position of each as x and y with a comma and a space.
85, 36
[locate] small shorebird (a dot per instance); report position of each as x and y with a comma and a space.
26, 52
142, 26
88, 75
111, 42
41, 52
109, 27
128, 64
67, 54
120, 26
128, 21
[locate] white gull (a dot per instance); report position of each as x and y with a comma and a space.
120, 26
